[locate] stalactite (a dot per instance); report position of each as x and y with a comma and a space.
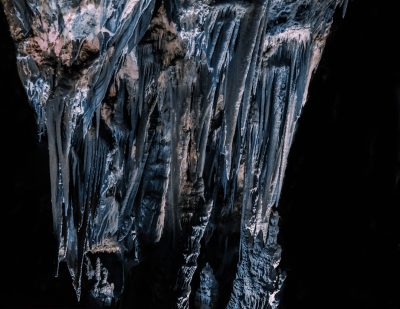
164, 120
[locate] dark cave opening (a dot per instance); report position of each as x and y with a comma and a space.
340, 206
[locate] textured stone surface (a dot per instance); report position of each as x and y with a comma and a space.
169, 126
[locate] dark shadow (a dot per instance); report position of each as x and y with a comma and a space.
29, 249
340, 225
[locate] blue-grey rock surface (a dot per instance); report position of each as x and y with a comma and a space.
169, 126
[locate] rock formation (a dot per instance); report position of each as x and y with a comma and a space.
169, 126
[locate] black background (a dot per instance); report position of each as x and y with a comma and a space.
340, 226
340, 208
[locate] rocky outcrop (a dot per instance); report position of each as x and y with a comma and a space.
169, 126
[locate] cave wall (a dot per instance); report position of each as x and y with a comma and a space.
160, 261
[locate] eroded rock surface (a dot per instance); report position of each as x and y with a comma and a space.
169, 126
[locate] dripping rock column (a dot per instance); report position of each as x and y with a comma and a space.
169, 125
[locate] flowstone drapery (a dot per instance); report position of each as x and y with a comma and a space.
169, 126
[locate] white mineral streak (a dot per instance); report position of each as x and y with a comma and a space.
164, 123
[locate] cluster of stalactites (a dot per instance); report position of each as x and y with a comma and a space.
158, 128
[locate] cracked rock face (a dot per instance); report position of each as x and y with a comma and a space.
169, 126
